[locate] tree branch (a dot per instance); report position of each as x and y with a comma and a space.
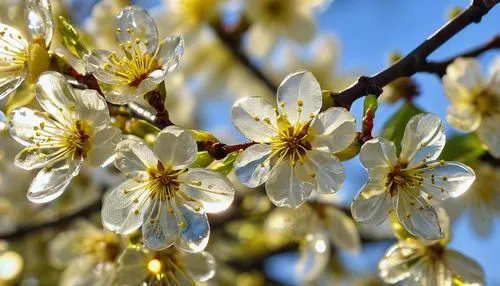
416, 60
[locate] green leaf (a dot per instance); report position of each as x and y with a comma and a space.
203, 159
370, 103
227, 165
463, 148
394, 128
201, 135
71, 38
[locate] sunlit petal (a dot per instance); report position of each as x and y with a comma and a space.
255, 118
175, 147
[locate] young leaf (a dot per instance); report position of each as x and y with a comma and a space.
394, 128
463, 148
227, 165
203, 159
70, 38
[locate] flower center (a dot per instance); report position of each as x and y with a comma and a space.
165, 180
435, 252
102, 246
77, 141
487, 102
168, 265
292, 142
135, 65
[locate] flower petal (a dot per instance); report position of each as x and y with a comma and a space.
119, 208
51, 183
468, 270
464, 117
417, 216
342, 230
134, 156
464, 73
131, 266
104, 145
120, 94
261, 40
299, 97
489, 132
378, 156
169, 52
13, 57
302, 28
25, 125
133, 22
326, 170
289, 186
201, 265
175, 147
372, 203
211, 189
450, 179
56, 96
38, 16
31, 158
252, 167
255, 119
196, 230
102, 65
400, 261
161, 227
423, 140
313, 257
94, 108
150, 82
11, 81
335, 129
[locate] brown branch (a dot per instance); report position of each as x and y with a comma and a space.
439, 67
218, 150
416, 60
24, 230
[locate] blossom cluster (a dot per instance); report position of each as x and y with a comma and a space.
174, 181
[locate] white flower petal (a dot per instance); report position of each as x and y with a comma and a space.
98, 63
489, 132
94, 108
378, 156
326, 170
38, 16
372, 203
399, 261
299, 97
202, 265
335, 129
169, 52
451, 179
466, 73
51, 183
261, 39
3, 121
313, 258
64, 247
417, 216
119, 206
252, 166
24, 124
132, 23
211, 189
468, 270
302, 28
175, 147
56, 96
424, 139
31, 158
342, 230
196, 230
134, 156
150, 82
255, 118
161, 227
86, 270
132, 266
482, 217
13, 57
464, 117
286, 186
11, 81
104, 145
120, 94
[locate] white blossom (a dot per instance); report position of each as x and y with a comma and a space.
474, 100
142, 62
296, 143
163, 195
75, 127
408, 183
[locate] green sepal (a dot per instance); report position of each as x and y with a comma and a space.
226, 166
203, 159
71, 38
